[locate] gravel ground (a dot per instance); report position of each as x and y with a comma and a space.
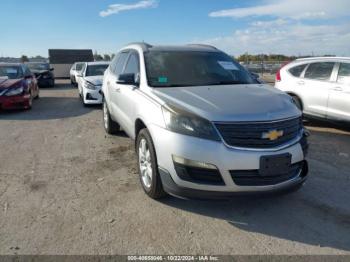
68, 188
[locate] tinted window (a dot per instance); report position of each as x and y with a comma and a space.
319, 71
297, 70
11, 72
132, 67
344, 73
193, 68
96, 70
120, 63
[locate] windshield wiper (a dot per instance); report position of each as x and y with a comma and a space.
226, 83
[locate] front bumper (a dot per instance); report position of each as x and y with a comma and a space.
92, 97
14, 102
224, 158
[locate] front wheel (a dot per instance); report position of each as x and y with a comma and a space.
111, 127
147, 166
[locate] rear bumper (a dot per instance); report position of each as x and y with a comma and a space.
15, 102
189, 193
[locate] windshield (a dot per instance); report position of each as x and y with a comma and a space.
38, 67
11, 72
96, 70
79, 66
193, 68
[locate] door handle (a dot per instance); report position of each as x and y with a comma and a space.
301, 83
117, 89
338, 88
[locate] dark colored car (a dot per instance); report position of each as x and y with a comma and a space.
43, 73
18, 86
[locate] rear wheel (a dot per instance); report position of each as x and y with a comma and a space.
111, 127
148, 167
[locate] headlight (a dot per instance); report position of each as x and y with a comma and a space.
89, 85
179, 121
14, 91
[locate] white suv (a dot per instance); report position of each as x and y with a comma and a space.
319, 86
202, 125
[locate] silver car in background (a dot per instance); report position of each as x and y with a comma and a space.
203, 127
320, 86
74, 71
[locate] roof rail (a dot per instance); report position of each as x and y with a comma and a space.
203, 45
144, 46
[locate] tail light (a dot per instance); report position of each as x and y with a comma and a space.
278, 73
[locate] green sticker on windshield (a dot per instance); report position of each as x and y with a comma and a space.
162, 79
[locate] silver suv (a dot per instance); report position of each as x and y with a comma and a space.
203, 126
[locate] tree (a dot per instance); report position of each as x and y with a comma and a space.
24, 59
97, 57
106, 57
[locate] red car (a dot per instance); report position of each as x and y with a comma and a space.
18, 86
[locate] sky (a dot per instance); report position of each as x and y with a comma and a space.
291, 27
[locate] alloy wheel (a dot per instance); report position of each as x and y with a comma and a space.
145, 163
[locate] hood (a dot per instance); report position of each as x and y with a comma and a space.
6, 83
95, 80
231, 102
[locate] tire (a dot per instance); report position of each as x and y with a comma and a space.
298, 103
30, 103
111, 127
148, 167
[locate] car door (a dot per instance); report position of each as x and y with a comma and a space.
126, 96
315, 87
339, 94
114, 88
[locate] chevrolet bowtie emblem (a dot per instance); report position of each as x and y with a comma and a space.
272, 135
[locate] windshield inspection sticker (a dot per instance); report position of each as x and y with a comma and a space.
228, 65
162, 79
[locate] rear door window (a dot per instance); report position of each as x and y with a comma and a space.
320, 71
297, 70
344, 73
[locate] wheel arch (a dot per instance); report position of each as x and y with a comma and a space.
292, 94
139, 125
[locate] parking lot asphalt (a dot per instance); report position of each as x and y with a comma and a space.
68, 188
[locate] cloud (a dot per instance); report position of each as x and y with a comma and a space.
117, 8
289, 39
295, 9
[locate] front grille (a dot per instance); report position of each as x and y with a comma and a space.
253, 178
250, 134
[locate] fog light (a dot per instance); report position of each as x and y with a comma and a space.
192, 163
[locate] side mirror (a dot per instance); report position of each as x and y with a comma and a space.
128, 79
28, 76
52, 69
